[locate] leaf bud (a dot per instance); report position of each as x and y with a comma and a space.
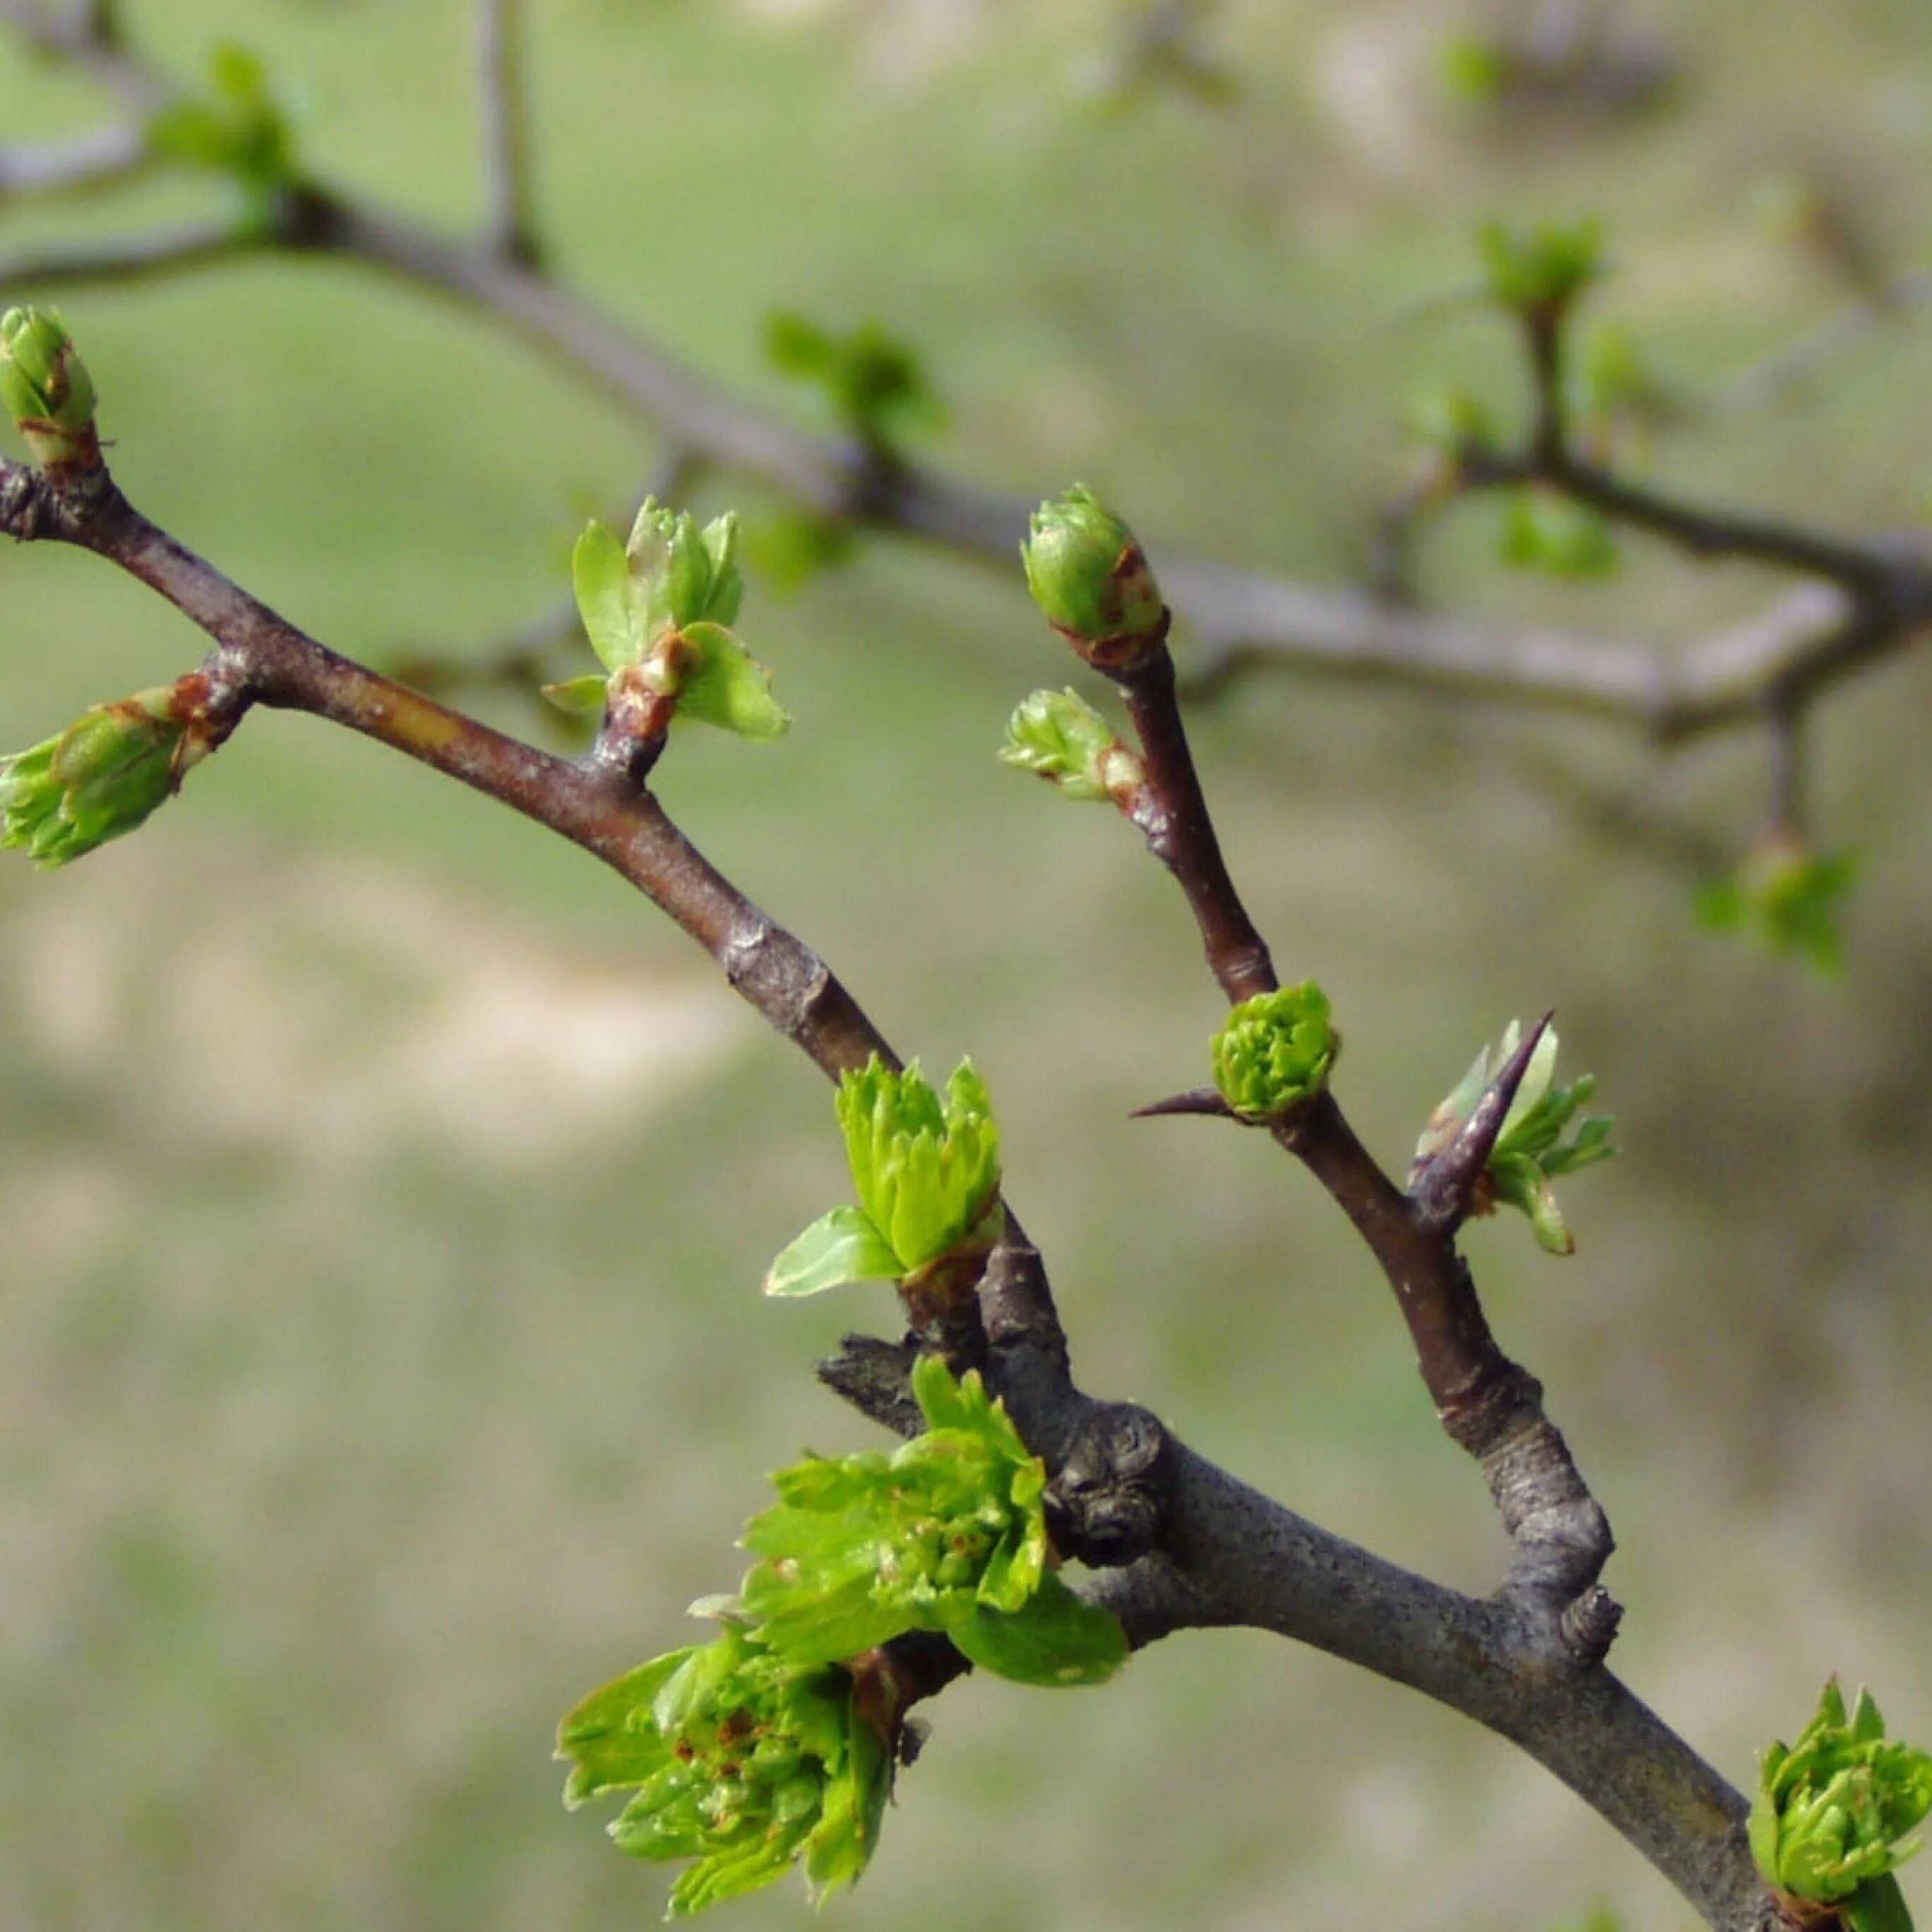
104, 775
45, 388
1275, 1051
1060, 737
1088, 574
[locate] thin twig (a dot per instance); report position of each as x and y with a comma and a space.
84, 164
129, 258
509, 224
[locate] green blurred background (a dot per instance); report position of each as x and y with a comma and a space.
384, 1189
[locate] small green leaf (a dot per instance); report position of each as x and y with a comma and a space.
579, 695
1878, 1906
841, 1246
613, 613
721, 683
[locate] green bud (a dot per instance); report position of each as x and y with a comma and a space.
1546, 267
1059, 736
45, 387
1831, 1812
926, 1169
1275, 1051
1090, 576
743, 1762
947, 1532
1544, 530
1792, 896
1449, 419
1537, 1142
101, 776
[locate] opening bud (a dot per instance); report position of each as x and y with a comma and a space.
1060, 737
1275, 1051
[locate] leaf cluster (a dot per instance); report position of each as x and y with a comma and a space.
657, 610
742, 1761
947, 1532
1542, 267
1790, 897
1832, 1811
873, 382
926, 1170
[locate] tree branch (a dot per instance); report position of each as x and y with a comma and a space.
1560, 1538
1121, 1485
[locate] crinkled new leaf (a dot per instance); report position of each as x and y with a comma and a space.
1275, 1051
743, 1763
1832, 1811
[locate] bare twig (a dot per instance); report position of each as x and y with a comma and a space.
104, 157
1171, 813
130, 258
1560, 1538
509, 225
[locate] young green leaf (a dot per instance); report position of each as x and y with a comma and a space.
607, 600
1058, 1640
585, 696
719, 682
839, 1247
1537, 1140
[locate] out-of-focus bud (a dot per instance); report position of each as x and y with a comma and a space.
46, 388
1089, 575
